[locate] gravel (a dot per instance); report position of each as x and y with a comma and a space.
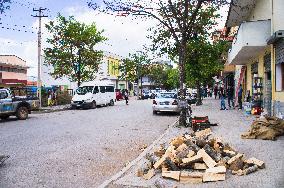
76, 148
232, 124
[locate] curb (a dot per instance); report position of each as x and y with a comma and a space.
49, 111
132, 163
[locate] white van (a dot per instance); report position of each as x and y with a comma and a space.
91, 94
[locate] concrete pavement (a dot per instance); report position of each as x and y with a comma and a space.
76, 148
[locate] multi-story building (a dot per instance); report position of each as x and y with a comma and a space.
109, 68
13, 71
258, 50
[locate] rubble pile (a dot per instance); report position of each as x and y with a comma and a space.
266, 128
197, 158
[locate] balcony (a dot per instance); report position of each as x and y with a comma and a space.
251, 39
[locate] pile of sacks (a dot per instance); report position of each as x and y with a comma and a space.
266, 128
197, 158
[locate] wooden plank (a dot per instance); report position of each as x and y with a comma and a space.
217, 170
255, 161
208, 176
203, 133
206, 158
199, 166
193, 159
238, 156
171, 174
149, 174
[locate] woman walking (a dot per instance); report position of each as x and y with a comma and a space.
126, 95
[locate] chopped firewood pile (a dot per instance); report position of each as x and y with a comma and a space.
197, 158
266, 128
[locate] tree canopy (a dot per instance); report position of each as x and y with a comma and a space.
72, 51
4, 5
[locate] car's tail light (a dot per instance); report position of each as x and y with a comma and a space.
175, 102
154, 102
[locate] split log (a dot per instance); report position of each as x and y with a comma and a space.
188, 161
171, 164
177, 141
255, 161
191, 177
239, 155
149, 175
192, 146
203, 133
212, 153
199, 166
216, 170
229, 153
206, 158
171, 174
236, 164
208, 176
250, 169
190, 154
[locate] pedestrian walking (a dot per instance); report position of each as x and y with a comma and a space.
223, 103
230, 94
240, 97
126, 95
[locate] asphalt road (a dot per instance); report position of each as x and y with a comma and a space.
76, 148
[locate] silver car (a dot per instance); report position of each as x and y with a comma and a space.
166, 102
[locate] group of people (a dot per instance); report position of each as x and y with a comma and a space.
229, 94
52, 98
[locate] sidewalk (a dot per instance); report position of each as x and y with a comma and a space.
49, 109
232, 124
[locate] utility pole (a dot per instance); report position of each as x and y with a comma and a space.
40, 15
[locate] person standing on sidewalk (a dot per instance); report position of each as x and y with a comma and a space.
126, 95
240, 97
215, 91
230, 94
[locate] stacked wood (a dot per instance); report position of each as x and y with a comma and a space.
196, 158
266, 128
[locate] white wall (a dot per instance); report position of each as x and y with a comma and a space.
262, 10
278, 18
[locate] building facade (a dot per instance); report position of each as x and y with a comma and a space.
258, 51
13, 71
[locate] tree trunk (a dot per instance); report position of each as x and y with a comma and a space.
182, 53
79, 69
199, 100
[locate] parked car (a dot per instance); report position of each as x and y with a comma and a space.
19, 106
166, 102
146, 95
91, 94
118, 95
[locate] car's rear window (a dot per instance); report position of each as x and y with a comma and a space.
167, 95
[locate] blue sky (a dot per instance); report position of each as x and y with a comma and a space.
125, 35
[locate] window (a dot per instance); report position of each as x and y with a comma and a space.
102, 89
279, 76
3, 94
109, 89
